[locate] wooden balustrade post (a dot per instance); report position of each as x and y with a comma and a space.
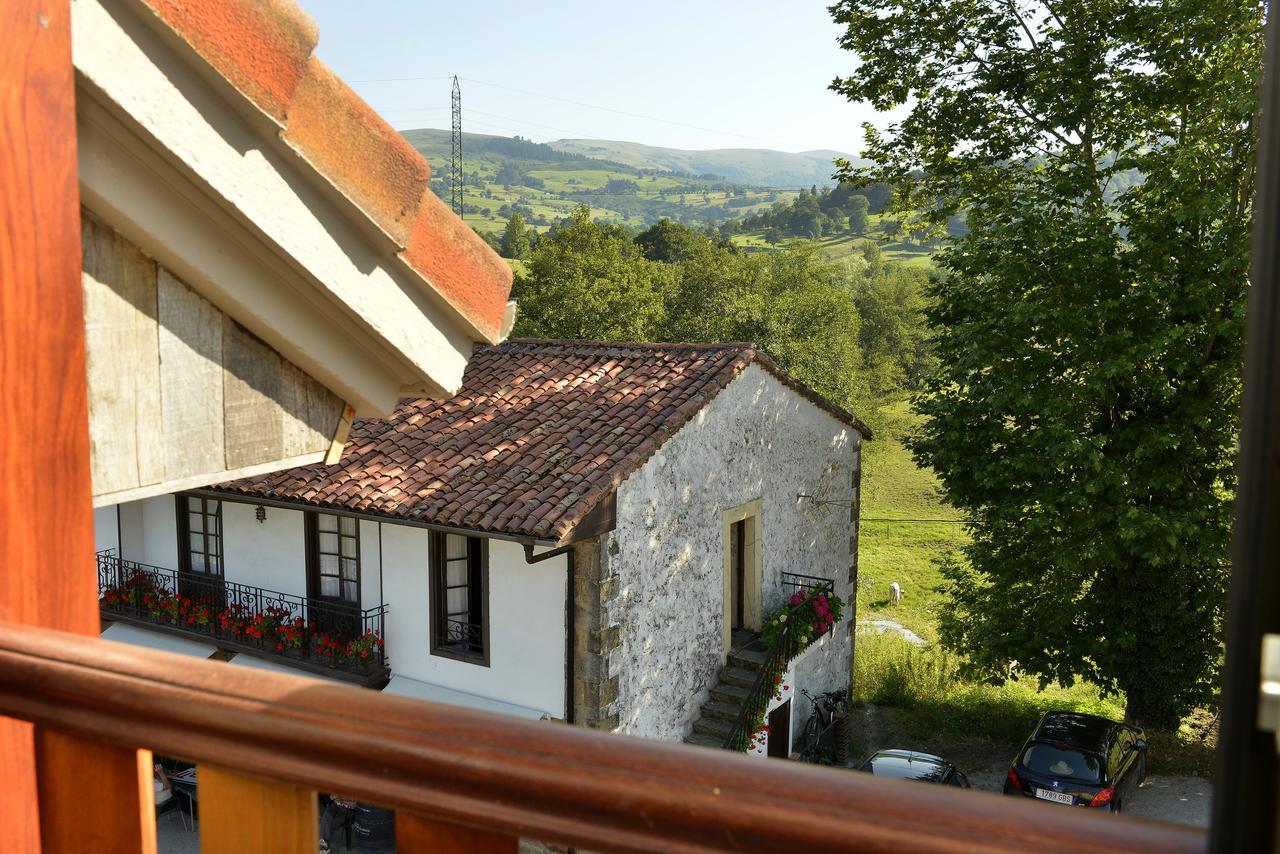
58, 786
244, 814
418, 835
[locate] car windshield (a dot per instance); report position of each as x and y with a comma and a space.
903, 768
1063, 762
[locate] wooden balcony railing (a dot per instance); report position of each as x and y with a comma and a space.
323, 637
466, 780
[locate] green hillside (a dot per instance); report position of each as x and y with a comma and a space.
633, 185
752, 166
508, 175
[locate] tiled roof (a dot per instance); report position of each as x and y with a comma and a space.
265, 50
540, 433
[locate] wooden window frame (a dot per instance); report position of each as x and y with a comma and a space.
478, 561
184, 533
313, 553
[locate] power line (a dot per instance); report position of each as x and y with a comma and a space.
626, 112
400, 79
583, 104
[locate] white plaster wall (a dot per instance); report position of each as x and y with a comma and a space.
756, 439
270, 554
370, 563
148, 531
526, 623
106, 533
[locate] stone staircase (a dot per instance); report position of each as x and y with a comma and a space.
720, 712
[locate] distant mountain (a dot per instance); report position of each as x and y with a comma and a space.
757, 167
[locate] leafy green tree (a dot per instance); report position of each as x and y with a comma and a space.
515, 239
668, 241
858, 218
1083, 412
587, 280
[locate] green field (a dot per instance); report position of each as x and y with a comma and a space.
908, 552
838, 246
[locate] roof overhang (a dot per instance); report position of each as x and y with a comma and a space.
201, 179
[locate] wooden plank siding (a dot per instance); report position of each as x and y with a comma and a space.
180, 394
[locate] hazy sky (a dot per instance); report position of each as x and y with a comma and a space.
692, 74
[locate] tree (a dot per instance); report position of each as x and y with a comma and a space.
667, 241
1083, 411
515, 239
587, 280
858, 218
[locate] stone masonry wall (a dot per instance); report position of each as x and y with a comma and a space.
758, 439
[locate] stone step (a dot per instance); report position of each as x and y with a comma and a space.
723, 711
747, 658
704, 740
727, 693
713, 727
738, 676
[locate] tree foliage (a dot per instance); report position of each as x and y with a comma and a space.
1083, 410
589, 280
515, 239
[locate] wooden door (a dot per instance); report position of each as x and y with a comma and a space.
780, 731
738, 571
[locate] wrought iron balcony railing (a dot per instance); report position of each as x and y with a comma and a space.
314, 635
794, 582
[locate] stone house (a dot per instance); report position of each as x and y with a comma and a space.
587, 531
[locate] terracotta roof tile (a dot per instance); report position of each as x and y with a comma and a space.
261, 47
357, 151
264, 50
575, 439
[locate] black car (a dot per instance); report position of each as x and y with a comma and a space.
1080, 760
909, 765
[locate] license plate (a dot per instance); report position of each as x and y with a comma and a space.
1058, 797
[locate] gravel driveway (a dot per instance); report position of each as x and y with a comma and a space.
1182, 800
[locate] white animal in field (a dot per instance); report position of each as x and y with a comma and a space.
895, 592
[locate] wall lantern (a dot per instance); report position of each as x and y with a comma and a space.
260, 514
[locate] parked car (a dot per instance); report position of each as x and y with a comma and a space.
1079, 760
909, 765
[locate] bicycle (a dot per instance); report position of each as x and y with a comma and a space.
827, 724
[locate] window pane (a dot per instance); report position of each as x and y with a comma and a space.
457, 603
197, 562
456, 546
196, 522
350, 569
329, 543
329, 565
350, 591
347, 524
326, 522
349, 546
328, 586
455, 574
213, 508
